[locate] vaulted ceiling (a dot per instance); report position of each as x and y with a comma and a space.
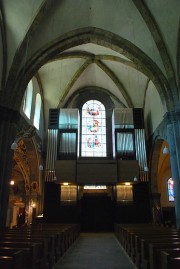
125, 47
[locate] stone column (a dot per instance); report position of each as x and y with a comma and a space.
8, 119
173, 135
156, 208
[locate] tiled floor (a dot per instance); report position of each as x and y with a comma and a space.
95, 251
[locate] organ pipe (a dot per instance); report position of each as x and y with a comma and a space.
51, 154
141, 153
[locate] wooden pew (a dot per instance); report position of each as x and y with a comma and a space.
54, 235
6, 262
54, 239
155, 250
170, 259
30, 253
47, 239
16, 255
46, 251
149, 248
65, 236
137, 239
60, 238
142, 243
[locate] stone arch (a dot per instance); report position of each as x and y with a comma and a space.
154, 161
94, 89
160, 172
96, 36
97, 93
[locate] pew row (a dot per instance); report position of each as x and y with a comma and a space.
42, 245
11, 258
150, 246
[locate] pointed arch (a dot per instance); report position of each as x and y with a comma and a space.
100, 37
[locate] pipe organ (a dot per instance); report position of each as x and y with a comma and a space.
82, 176
125, 161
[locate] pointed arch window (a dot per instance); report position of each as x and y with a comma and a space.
170, 186
93, 138
28, 99
37, 111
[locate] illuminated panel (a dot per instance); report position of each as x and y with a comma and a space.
93, 129
95, 187
68, 193
124, 193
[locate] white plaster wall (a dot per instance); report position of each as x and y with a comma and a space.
153, 109
166, 14
19, 15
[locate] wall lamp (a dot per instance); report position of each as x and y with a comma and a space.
14, 145
165, 150
41, 167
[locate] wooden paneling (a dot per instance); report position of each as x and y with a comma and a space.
127, 170
65, 171
92, 172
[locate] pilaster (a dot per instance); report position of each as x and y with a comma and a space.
173, 135
8, 120
156, 208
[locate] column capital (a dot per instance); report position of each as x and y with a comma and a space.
172, 116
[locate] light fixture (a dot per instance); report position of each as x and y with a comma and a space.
14, 145
65, 183
146, 169
32, 203
41, 167
12, 182
165, 150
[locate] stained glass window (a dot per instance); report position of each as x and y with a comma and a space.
93, 129
170, 184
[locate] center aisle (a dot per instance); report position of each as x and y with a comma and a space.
95, 251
